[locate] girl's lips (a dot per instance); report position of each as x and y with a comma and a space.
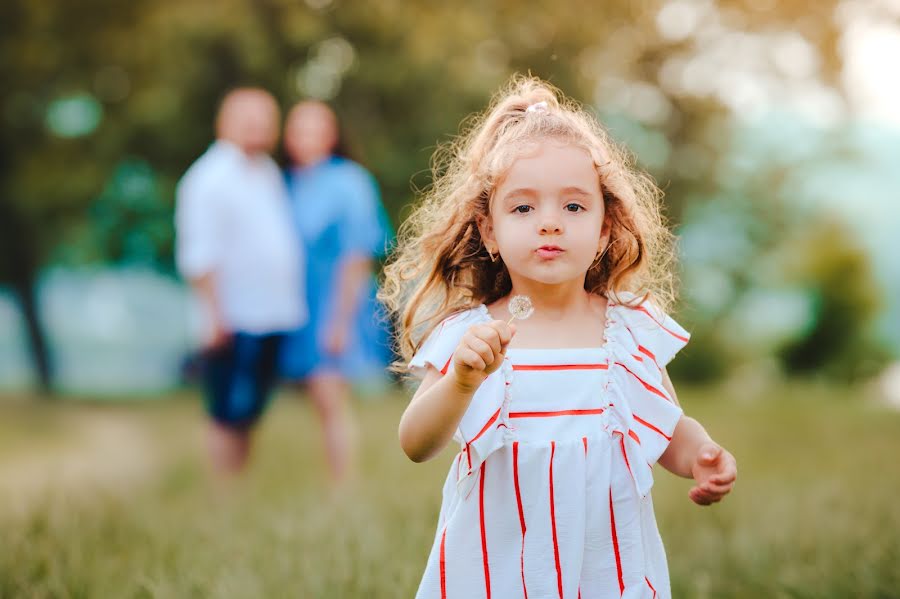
549, 251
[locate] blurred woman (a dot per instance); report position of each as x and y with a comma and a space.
342, 226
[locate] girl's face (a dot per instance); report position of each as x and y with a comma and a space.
547, 215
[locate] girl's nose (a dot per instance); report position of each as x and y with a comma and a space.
550, 225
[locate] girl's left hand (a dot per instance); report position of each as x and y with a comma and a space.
715, 471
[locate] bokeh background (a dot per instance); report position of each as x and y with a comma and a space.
773, 127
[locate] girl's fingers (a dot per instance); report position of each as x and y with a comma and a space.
699, 497
483, 349
505, 331
710, 487
487, 342
489, 335
724, 479
471, 359
709, 454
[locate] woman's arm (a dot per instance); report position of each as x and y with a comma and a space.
355, 273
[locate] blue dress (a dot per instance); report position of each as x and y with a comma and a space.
338, 213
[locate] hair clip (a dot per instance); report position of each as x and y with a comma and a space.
537, 107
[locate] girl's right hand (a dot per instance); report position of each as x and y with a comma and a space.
480, 352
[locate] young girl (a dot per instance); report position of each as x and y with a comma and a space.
559, 416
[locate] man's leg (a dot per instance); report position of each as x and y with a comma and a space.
239, 379
229, 448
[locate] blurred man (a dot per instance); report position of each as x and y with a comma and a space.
237, 248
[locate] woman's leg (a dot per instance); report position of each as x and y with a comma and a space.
330, 393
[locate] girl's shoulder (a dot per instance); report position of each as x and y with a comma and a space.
642, 324
438, 347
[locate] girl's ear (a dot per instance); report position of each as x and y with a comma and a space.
605, 233
486, 229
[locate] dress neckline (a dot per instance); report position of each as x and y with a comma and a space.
592, 349
604, 346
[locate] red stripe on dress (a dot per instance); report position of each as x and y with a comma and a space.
583, 440
447, 365
647, 352
651, 587
653, 318
615, 540
591, 412
651, 427
521, 513
484, 554
483, 430
634, 436
443, 565
553, 524
625, 454
646, 385
560, 366
486, 426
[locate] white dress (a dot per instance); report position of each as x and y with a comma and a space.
549, 496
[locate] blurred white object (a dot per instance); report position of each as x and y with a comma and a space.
117, 330
889, 382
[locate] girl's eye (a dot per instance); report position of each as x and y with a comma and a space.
573, 207
523, 209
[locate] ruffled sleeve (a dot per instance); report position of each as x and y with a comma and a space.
642, 340
484, 426
437, 350
656, 334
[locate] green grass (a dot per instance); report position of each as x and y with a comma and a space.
815, 512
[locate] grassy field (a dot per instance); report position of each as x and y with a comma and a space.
112, 500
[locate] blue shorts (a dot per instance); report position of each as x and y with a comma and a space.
240, 377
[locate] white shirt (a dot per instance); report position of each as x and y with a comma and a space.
232, 219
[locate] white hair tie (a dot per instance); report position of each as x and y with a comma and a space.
537, 107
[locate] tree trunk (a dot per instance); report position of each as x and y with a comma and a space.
18, 267
25, 289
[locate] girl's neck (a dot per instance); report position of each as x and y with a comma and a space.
565, 316
554, 300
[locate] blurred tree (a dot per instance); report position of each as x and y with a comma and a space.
99, 97
826, 260
53, 158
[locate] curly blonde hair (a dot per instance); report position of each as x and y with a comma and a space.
440, 264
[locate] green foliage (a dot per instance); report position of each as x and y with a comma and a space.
773, 271
156, 70
827, 261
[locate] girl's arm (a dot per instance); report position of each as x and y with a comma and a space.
432, 416
693, 454
436, 409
